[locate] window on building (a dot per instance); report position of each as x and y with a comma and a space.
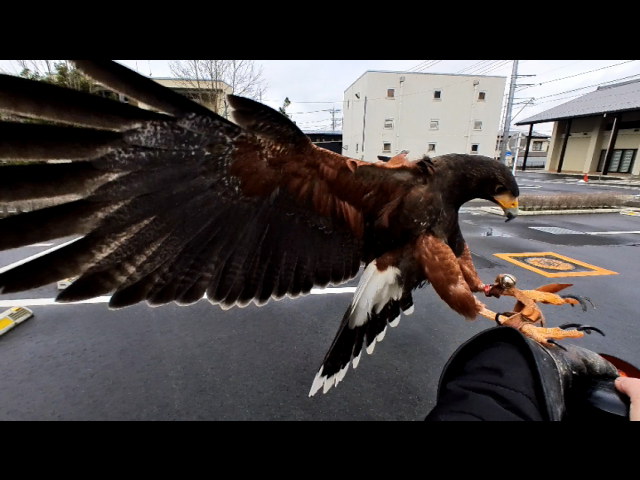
391, 92
621, 161
348, 104
434, 125
536, 147
475, 148
437, 95
431, 148
388, 123
482, 96
477, 125
357, 146
386, 147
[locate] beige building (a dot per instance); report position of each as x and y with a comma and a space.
207, 92
425, 113
584, 127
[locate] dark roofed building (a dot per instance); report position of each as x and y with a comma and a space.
538, 148
329, 140
599, 129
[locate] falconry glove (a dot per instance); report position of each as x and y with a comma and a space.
502, 375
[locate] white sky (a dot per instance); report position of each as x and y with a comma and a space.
308, 81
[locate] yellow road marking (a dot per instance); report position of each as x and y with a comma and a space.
4, 323
594, 271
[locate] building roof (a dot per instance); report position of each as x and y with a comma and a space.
176, 79
424, 73
609, 99
321, 132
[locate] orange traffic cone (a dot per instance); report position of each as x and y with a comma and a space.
585, 178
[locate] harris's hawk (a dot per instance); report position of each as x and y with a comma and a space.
184, 204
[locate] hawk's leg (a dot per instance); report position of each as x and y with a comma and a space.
528, 328
469, 273
547, 294
442, 269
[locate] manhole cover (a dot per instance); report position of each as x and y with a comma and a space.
550, 264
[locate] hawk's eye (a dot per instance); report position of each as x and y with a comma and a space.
500, 190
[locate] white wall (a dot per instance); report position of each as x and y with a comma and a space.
352, 121
413, 108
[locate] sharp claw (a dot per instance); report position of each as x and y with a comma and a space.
588, 329
553, 342
582, 328
564, 326
581, 300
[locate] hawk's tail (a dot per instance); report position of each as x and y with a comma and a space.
378, 302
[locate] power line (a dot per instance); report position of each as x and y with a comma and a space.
434, 62
589, 86
496, 67
488, 66
559, 68
314, 111
315, 121
472, 66
578, 74
419, 65
406, 94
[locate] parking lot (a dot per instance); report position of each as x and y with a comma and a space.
85, 362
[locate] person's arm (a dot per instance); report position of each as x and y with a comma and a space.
631, 388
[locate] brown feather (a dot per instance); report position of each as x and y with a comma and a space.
443, 272
468, 270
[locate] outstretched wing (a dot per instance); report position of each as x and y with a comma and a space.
174, 205
381, 297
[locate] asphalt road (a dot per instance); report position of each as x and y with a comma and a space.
84, 362
541, 183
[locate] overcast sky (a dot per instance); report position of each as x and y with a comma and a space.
309, 81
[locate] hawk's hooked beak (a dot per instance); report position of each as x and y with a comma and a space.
509, 204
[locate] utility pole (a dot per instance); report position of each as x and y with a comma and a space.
333, 118
507, 118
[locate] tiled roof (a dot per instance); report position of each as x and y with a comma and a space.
608, 99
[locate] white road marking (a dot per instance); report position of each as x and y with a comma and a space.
33, 302
558, 231
32, 257
325, 291
564, 231
41, 245
633, 232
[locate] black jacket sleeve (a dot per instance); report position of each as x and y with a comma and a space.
493, 383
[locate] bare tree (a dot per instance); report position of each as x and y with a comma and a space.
202, 77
